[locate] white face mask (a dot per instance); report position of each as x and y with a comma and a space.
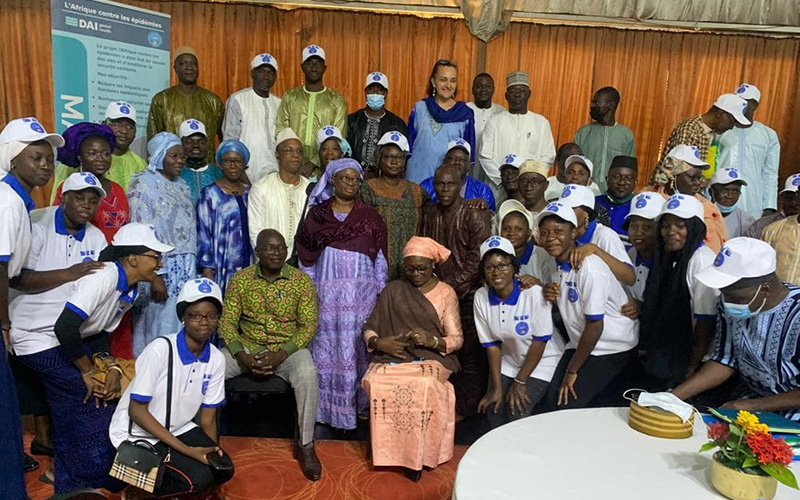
666, 401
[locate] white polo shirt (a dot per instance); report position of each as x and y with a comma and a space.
642, 270
196, 382
605, 239
593, 293
101, 299
514, 324
15, 226
704, 299
34, 315
531, 261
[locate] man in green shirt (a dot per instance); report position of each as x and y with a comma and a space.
269, 318
604, 139
121, 118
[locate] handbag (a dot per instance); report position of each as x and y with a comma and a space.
138, 463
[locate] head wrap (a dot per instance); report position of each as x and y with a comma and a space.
233, 145
181, 51
428, 248
665, 173
324, 188
157, 149
74, 137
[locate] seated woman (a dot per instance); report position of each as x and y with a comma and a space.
679, 312
601, 340
80, 405
142, 412
413, 332
523, 353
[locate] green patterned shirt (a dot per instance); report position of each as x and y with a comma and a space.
261, 315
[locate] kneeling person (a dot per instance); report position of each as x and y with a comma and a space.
269, 319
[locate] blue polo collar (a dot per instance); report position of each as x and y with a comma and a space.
187, 356
646, 263
122, 279
61, 226
563, 266
588, 234
21, 191
512, 299
526, 257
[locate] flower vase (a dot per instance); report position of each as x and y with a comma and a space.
737, 485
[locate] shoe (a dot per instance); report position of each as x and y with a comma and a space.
133, 493
309, 462
49, 476
414, 475
82, 494
38, 448
30, 464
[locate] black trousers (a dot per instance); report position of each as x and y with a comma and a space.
593, 377
184, 474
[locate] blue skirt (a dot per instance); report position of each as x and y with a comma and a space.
83, 451
12, 476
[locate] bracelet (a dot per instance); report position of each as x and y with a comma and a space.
116, 368
90, 372
520, 382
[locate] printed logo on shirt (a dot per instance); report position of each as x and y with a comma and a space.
572, 292
88, 255
206, 380
522, 328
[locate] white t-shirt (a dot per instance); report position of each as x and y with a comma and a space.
531, 261
514, 324
15, 226
642, 270
101, 299
605, 239
593, 293
704, 299
196, 382
34, 315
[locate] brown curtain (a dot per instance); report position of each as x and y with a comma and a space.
663, 76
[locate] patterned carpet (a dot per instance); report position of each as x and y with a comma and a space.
265, 470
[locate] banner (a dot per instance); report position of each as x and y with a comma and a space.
103, 52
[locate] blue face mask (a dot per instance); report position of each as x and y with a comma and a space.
375, 101
727, 210
742, 311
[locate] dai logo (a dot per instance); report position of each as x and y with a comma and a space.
88, 25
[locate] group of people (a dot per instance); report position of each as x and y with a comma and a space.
409, 274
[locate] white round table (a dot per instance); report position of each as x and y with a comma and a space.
588, 454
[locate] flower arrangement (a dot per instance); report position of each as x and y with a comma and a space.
746, 445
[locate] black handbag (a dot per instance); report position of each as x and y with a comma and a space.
138, 463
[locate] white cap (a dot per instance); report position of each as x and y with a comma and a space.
646, 205
513, 160
735, 105
513, 206
83, 180
459, 143
199, 289
575, 195
190, 127
28, 130
311, 51
497, 243
263, 59
683, 206
328, 132
120, 109
285, 135
739, 258
689, 154
560, 210
747, 91
580, 159
395, 138
136, 234
726, 176
792, 184
379, 78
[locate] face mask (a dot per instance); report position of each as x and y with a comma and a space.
375, 101
727, 210
742, 311
668, 402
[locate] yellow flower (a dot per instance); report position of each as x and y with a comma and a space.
750, 424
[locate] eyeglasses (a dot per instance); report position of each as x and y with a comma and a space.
502, 267
352, 181
627, 179
272, 248
416, 270
232, 163
93, 155
152, 256
197, 318
530, 182
177, 157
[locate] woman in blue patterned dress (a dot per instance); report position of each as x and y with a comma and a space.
223, 246
158, 196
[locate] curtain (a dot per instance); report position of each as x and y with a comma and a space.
663, 77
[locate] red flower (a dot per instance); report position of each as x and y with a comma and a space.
769, 450
718, 432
